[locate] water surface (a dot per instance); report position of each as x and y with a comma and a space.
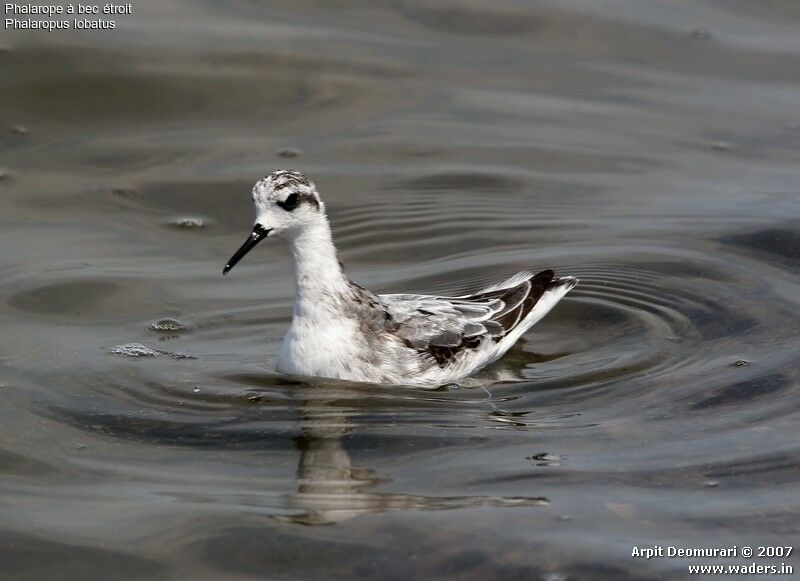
651, 149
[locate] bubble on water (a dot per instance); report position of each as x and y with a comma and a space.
546, 459
740, 363
134, 350
289, 152
711, 483
188, 223
167, 326
701, 34
139, 350
721, 146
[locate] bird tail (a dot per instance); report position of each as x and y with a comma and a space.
555, 288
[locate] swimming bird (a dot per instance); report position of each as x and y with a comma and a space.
341, 330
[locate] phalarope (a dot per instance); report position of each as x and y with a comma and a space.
341, 330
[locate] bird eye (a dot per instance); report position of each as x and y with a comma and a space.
290, 203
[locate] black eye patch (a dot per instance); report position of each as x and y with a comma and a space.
290, 203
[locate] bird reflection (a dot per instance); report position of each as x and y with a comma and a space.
330, 489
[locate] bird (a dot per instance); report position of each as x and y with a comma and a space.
340, 330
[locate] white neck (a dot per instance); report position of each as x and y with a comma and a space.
317, 273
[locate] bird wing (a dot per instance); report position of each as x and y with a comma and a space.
445, 326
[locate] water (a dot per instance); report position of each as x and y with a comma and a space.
650, 149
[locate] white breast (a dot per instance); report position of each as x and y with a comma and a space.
323, 349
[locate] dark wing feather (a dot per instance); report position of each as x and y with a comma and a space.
443, 327
521, 300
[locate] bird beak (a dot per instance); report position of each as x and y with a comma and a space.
258, 234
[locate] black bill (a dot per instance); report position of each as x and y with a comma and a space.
258, 234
